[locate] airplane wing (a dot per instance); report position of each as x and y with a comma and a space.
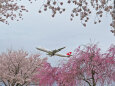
44, 50
61, 55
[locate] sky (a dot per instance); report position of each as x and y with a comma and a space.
41, 30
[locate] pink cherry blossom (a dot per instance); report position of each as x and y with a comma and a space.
18, 67
88, 66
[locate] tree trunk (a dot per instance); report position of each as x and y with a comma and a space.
114, 3
18, 84
93, 79
4, 83
88, 82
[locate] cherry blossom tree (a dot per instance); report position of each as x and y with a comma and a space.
82, 9
18, 67
88, 66
10, 9
45, 75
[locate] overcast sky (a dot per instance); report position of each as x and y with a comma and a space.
41, 30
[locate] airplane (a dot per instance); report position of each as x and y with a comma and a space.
53, 52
